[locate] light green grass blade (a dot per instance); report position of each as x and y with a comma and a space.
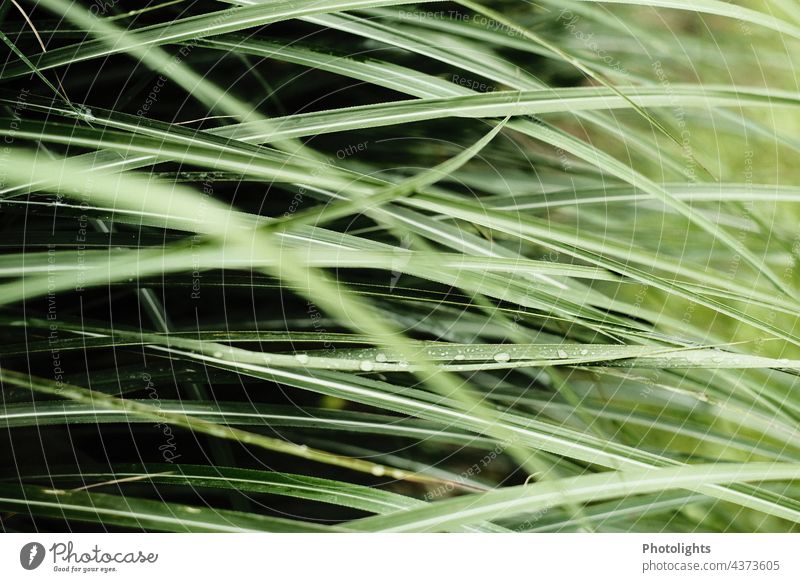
514, 500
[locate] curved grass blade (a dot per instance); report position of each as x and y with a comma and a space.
512, 501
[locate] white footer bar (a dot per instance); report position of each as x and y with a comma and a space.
401, 557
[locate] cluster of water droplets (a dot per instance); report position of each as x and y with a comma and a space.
370, 360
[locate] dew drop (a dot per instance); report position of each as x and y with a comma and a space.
584, 352
380, 358
302, 358
217, 354
502, 357
460, 356
562, 354
378, 471
367, 366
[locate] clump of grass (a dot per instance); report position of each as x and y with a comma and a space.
482, 266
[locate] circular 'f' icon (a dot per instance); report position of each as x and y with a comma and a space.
31, 555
